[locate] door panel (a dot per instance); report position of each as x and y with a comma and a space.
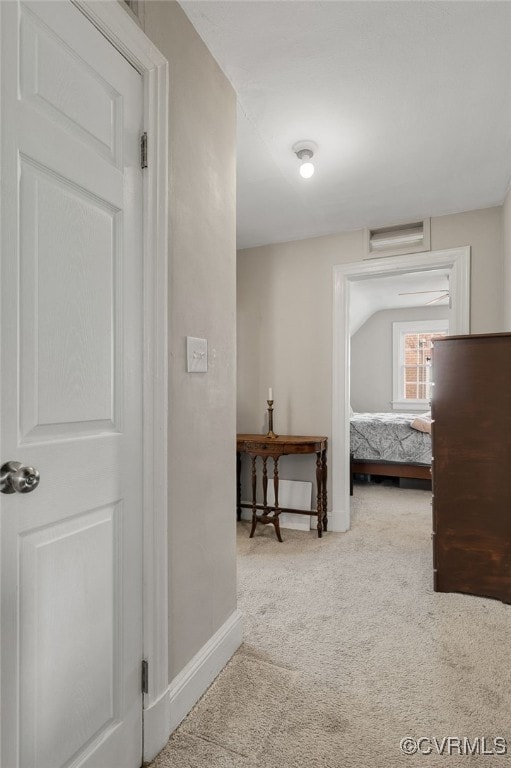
71, 393
49, 72
75, 678
68, 307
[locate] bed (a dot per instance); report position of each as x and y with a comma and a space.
385, 444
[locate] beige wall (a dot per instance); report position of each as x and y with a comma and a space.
372, 357
506, 228
285, 317
483, 231
202, 260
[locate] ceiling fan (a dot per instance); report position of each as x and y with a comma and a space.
443, 291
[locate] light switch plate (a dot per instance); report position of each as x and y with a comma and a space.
196, 355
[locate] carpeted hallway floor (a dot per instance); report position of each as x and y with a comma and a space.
348, 650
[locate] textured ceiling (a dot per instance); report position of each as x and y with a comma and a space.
409, 102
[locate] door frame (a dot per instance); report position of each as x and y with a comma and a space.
127, 37
457, 260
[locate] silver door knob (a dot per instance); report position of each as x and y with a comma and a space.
15, 478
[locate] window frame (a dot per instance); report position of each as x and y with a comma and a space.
399, 330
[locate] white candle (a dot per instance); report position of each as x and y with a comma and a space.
270, 394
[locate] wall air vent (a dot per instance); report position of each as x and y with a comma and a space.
397, 240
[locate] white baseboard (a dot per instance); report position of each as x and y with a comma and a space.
164, 715
156, 725
339, 520
189, 685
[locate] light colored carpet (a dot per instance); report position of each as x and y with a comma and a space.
348, 650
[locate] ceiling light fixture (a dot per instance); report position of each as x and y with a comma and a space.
304, 150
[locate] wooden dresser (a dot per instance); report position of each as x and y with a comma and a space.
471, 409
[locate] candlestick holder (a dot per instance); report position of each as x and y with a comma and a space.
271, 434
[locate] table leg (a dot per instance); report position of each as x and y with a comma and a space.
254, 499
238, 485
276, 511
265, 483
319, 488
325, 490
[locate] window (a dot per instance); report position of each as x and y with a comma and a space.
412, 362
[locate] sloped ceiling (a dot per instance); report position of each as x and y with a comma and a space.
409, 103
413, 289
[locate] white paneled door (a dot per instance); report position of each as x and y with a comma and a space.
71, 393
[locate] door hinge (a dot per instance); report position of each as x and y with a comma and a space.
145, 676
143, 150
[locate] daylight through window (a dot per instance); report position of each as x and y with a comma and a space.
417, 364
412, 361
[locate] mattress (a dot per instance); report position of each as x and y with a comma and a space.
388, 437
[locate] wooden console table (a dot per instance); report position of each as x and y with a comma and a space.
265, 447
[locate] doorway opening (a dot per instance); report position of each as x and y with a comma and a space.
456, 263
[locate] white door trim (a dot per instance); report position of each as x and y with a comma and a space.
455, 259
127, 37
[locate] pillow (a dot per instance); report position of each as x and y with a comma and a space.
422, 423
